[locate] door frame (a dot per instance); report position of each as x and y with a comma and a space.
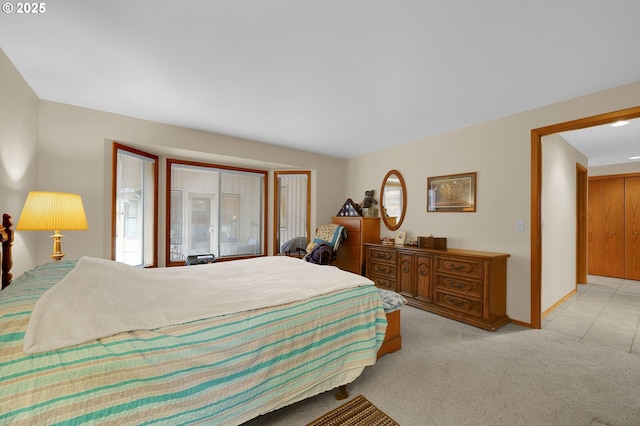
536, 194
582, 186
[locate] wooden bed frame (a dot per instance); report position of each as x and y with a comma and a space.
392, 338
6, 238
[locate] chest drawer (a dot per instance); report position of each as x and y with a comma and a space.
459, 284
354, 239
380, 255
459, 266
384, 269
350, 251
459, 303
385, 282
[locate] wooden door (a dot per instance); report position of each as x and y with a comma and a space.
594, 228
632, 228
405, 274
606, 243
423, 277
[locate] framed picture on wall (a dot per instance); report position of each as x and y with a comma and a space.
452, 193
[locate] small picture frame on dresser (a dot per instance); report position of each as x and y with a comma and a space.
402, 236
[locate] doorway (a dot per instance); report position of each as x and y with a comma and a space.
536, 194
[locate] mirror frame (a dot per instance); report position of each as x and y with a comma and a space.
404, 200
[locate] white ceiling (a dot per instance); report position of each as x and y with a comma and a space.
336, 77
607, 144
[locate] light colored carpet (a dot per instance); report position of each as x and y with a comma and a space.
449, 373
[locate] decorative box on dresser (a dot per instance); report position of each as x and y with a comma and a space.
465, 285
360, 230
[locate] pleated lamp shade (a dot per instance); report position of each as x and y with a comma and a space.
53, 211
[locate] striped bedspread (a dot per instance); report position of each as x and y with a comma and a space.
223, 370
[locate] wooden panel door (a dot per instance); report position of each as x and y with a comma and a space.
423, 277
405, 274
632, 228
414, 277
594, 228
606, 227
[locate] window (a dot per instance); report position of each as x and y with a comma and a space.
292, 210
214, 209
134, 222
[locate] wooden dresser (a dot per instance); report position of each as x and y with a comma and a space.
465, 285
360, 230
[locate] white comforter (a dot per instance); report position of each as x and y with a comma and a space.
99, 298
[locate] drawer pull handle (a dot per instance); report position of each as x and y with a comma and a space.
406, 270
423, 272
457, 266
454, 301
456, 284
385, 256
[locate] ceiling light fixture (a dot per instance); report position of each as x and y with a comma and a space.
620, 123
637, 157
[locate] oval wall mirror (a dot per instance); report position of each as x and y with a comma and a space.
393, 200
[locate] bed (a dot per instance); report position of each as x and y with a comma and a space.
225, 369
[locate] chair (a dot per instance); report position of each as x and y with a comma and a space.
175, 256
332, 234
296, 244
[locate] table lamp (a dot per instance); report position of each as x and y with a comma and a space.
53, 211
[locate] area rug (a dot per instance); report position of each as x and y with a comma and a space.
357, 412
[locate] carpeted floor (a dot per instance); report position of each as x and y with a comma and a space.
449, 373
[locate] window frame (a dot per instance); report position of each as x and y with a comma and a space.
276, 206
114, 196
169, 165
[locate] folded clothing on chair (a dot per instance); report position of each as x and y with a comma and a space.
331, 234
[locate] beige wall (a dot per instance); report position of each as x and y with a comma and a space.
616, 169
75, 156
559, 161
75, 148
500, 152
50, 146
18, 162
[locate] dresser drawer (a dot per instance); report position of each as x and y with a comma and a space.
354, 239
349, 264
384, 269
459, 303
459, 266
387, 256
350, 251
387, 283
465, 286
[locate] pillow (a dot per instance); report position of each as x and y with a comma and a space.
391, 300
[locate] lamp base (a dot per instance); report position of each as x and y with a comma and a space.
57, 247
